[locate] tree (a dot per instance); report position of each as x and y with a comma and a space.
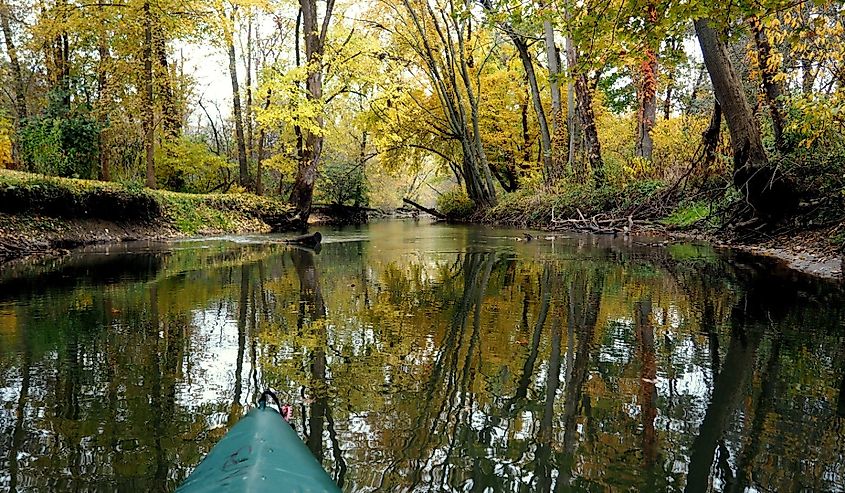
243, 169
752, 175
314, 34
647, 90
148, 109
521, 44
440, 38
18, 84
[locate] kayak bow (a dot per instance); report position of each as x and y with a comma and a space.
260, 453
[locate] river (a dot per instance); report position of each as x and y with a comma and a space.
425, 357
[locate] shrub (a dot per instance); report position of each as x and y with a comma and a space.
62, 144
342, 183
185, 165
455, 204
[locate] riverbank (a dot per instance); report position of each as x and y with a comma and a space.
42, 215
812, 241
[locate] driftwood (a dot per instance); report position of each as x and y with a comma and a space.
309, 241
433, 212
597, 224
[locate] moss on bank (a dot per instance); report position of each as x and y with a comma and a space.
27, 194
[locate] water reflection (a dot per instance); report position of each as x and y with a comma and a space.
423, 358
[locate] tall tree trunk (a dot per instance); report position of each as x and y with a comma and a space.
558, 128
61, 54
808, 77
586, 118
171, 119
250, 141
545, 136
647, 94
149, 108
710, 138
526, 136
772, 89
592, 146
521, 46
259, 187
243, 169
18, 84
667, 103
314, 35
446, 65
759, 183
554, 71
571, 125
105, 102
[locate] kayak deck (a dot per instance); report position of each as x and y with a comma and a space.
260, 453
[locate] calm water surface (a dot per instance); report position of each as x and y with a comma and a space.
426, 358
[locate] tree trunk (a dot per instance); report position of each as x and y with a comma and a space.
171, 119
667, 103
554, 70
583, 103
710, 138
149, 109
647, 94
243, 170
772, 89
259, 187
445, 62
531, 76
587, 119
18, 84
808, 77
558, 127
571, 125
250, 142
526, 136
647, 111
314, 35
105, 102
759, 183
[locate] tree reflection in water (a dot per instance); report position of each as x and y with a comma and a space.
427, 359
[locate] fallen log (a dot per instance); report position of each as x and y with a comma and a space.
309, 241
433, 212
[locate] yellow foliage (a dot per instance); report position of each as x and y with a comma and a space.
5, 143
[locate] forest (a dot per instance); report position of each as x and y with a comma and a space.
518, 111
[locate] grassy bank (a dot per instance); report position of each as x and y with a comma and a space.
38, 213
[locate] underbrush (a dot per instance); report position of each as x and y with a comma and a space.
569, 200
33, 194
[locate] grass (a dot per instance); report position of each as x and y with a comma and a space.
33, 194
687, 215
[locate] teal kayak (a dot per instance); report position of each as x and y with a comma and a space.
260, 453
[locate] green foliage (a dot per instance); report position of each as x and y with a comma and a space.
819, 170
686, 215
343, 183
455, 204
619, 94
187, 165
61, 144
